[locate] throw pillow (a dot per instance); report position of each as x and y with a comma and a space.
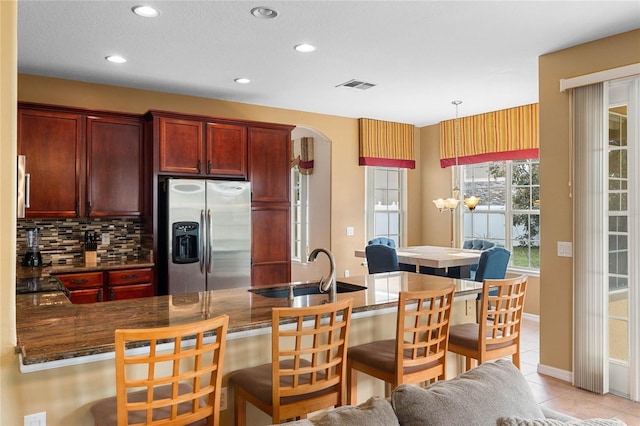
476, 397
376, 411
517, 421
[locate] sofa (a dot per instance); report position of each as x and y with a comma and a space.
492, 394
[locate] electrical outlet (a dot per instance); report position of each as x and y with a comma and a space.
469, 306
346, 273
223, 399
37, 419
105, 239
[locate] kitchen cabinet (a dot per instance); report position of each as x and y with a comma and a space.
82, 163
130, 284
269, 166
83, 287
114, 166
53, 143
195, 146
92, 287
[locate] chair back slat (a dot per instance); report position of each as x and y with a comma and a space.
501, 312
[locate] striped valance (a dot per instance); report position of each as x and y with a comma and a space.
508, 134
388, 144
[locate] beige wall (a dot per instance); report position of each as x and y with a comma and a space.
556, 292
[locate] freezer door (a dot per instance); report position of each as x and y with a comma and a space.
228, 220
186, 222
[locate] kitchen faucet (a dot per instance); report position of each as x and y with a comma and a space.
329, 283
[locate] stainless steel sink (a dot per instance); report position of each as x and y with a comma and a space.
304, 289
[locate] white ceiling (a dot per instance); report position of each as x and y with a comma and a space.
421, 54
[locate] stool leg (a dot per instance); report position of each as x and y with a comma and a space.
239, 408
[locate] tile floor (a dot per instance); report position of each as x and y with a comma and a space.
562, 396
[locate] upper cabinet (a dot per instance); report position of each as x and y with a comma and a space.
114, 166
196, 146
81, 163
269, 162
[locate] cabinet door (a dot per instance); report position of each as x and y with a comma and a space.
83, 287
133, 291
114, 166
181, 146
53, 143
226, 150
91, 295
269, 165
270, 245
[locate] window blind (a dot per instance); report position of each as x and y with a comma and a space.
508, 134
386, 144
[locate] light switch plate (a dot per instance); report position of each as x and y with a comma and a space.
565, 249
349, 231
37, 419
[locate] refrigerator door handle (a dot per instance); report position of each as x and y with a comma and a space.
203, 236
209, 238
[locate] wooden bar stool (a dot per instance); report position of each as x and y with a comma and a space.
307, 371
419, 351
179, 385
497, 333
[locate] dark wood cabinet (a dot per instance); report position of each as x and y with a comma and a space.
53, 143
269, 164
114, 166
83, 287
226, 153
195, 146
92, 287
130, 284
181, 145
82, 163
270, 245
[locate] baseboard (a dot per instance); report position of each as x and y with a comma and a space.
566, 376
531, 317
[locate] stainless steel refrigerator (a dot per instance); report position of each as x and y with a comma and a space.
209, 235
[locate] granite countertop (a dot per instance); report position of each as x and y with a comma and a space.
57, 331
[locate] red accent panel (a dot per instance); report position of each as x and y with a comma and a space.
522, 154
387, 162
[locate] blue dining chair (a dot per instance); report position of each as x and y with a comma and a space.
477, 244
381, 258
492, 264
383, 241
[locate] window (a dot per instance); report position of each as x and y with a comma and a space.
509, 210
384, 203
299, 215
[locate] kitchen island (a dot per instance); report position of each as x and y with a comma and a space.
79, 338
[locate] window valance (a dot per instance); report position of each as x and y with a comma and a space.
302, 155
508, 134
388, 144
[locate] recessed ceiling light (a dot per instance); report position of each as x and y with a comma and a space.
304, 48
264, 12
242, 80
145, 11
116, 59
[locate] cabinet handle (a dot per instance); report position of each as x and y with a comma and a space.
79, 281
100, 295
77, 209
130, 276
112, 294
199, 166
89, 208
209, 167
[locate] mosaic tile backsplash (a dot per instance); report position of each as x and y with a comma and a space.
62, 240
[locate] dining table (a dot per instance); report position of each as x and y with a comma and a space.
435, 260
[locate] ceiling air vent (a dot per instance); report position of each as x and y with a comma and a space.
356, 84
